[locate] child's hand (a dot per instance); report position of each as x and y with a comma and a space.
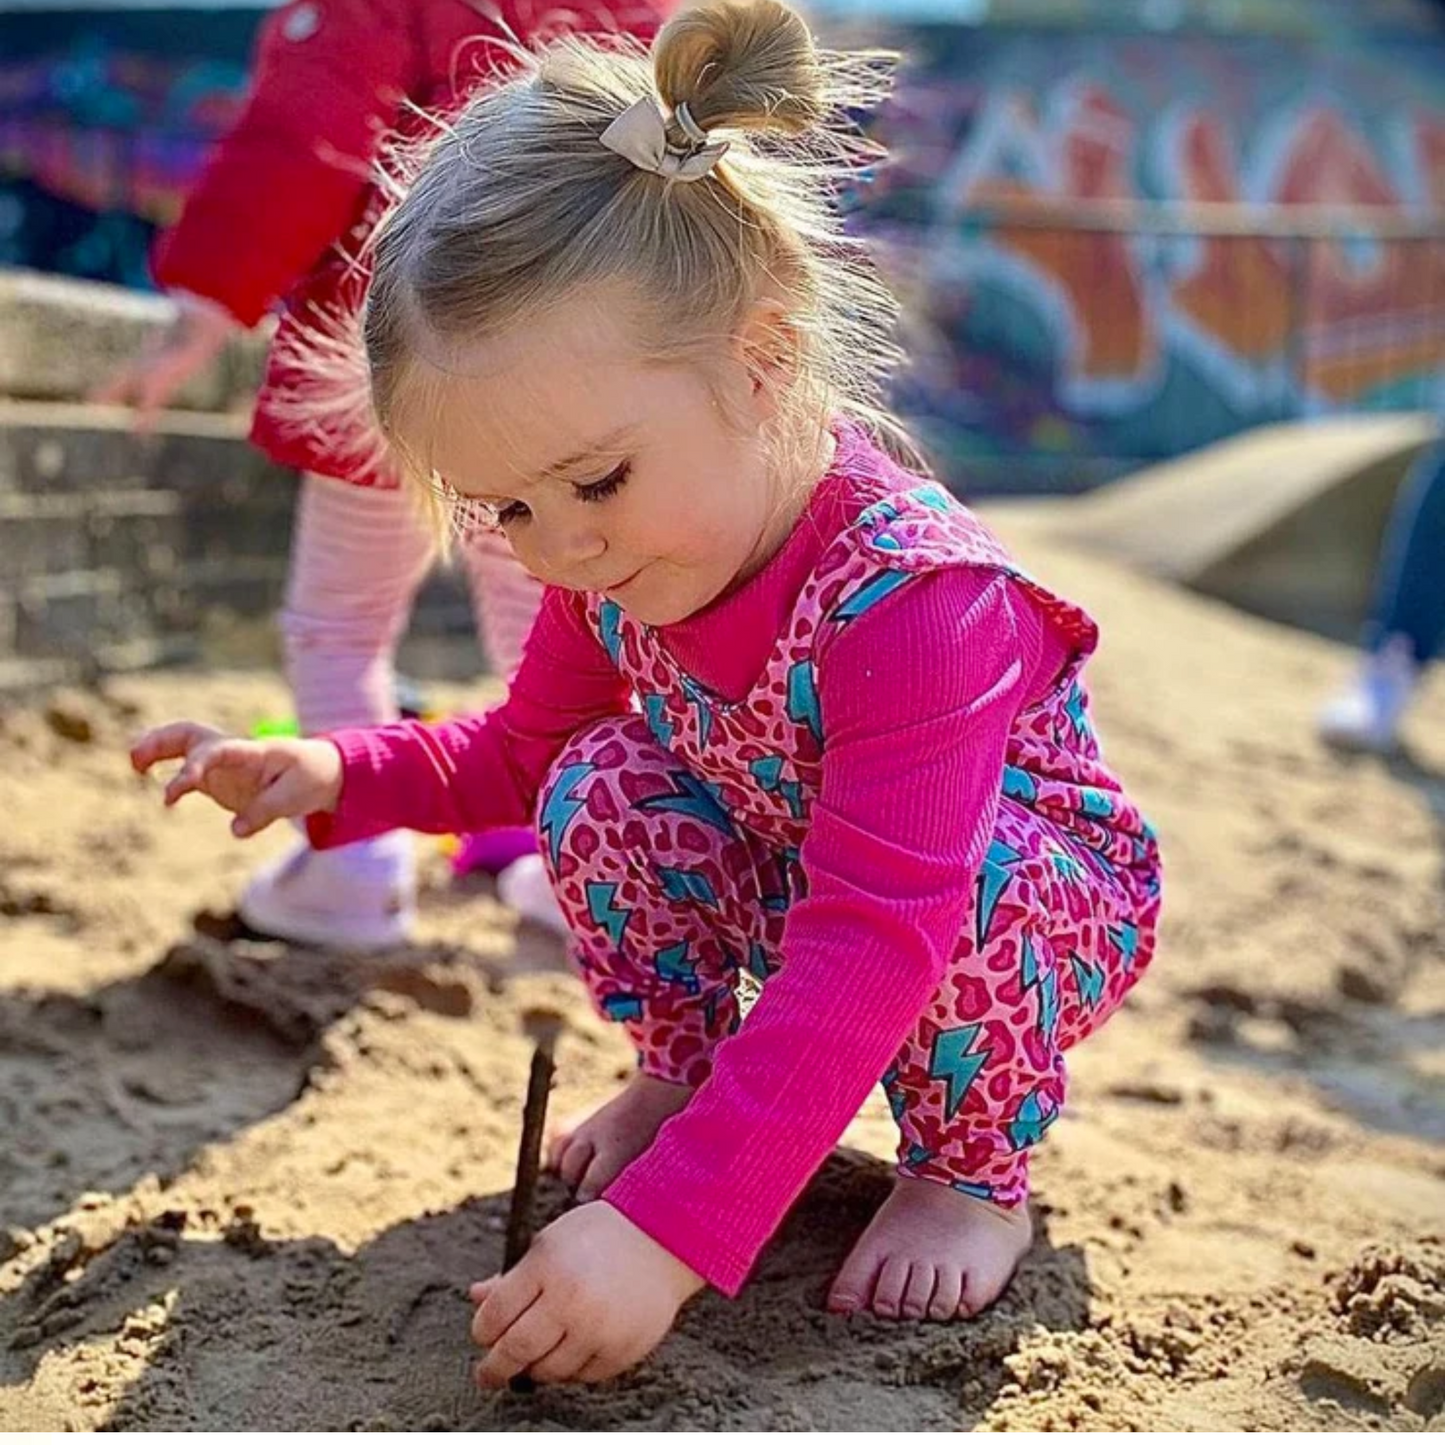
152, 380
257, 781
593, 1296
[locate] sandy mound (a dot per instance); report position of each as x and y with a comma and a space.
243, 1186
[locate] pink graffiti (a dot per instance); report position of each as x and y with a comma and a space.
1352, 315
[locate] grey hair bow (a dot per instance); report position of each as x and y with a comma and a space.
640, 135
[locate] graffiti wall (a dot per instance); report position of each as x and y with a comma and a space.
1050, 352
105, 118
1044, 340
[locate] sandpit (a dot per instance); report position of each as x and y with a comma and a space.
244, 1186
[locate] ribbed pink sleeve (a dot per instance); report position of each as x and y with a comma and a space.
917, 701
475, 773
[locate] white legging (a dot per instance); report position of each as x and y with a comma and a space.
358, 557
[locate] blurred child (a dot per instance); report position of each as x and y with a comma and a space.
282, 210
788, 707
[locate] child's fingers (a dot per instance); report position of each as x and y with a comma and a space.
173, 740
284, 797
576, 1159
204, 763
205, 770
596, 1370
190, 779
595, 1178
147, 414
508, 1299
479, 1291
115, 390
536, 1334
157, 385
564, 1361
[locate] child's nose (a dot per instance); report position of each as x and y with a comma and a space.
576, 546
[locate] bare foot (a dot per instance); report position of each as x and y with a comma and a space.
591, 1151
932, 1253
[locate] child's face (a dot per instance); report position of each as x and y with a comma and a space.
612, 474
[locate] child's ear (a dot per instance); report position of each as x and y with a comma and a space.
767, 345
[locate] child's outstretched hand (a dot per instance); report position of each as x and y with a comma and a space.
592, 1297
152, 380
257, 781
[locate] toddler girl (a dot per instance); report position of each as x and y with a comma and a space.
788, 707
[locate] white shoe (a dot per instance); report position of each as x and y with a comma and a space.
525, 888
1366, 716
361, 897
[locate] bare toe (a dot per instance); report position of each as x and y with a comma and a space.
932, 1253
919, 1291
888, 1293
854, 1285
947, 1294
981, 1289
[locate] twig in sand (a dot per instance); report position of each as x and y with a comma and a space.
543, 1027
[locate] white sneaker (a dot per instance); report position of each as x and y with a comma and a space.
525, 888
361, 898
1366, 716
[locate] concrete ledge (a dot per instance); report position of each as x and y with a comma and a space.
61, 338
120, 551
68, 447
117, 550
1285, 521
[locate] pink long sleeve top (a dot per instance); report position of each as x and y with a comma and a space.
918, 699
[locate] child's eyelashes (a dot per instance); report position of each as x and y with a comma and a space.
508, 514
607, 487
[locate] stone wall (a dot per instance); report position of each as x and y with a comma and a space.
120, 551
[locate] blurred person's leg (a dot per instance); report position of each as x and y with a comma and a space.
358, 556
1411, 600
1407, 622
505, 598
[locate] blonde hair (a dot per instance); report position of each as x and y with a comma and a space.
517, 206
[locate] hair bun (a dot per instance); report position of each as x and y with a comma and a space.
742, 64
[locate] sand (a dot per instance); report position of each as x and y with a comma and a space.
243, 1186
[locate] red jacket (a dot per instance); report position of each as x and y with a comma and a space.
287, 195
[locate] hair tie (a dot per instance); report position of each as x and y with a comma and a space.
690, 128
639, 134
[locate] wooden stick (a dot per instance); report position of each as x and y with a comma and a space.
529, 1156
543, 1027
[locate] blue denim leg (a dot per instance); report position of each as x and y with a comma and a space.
1410, 597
